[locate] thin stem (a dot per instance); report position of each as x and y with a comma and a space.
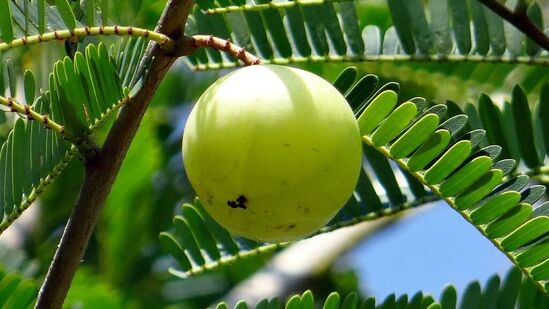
85, 145
165, 42
225, 46
536, 61
520, 20
269, 5
102, 171
31, 114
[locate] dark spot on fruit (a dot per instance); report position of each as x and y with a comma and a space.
287, 144
291, 226
239, 203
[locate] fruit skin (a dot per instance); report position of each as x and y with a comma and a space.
273, 152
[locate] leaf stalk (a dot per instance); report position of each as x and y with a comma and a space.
164, 41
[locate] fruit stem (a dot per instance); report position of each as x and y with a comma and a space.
225, 46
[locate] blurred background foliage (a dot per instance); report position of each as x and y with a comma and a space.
124, 266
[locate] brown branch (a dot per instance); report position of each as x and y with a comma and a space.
520, 20
102, 171
225, 46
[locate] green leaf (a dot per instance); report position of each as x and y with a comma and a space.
495, 207
8, 285
8, 176
24, 296
449, 161
170, 244
438, 12
541, 210
478, 190
90, 12
414, 137
403, 25
350, 301
332, 302
201, 234
461, 27
389, 302
307, 300
510, 289
543, 111
274, 26
524, 127
506, 165
533, 194
41, 16
293, 302
541, 272
527, 295
274, 303
376, 111
6, 26
491, 120
495, 30
535, 14
369, 303
19, 161
491, 293
482, 38
420, 28
513, 37
262, 304
316, 30
296, 26
471, 296
384, 174
465, 176
351, 29
12, 77
456, 124
30, 86
221, 306
104, 12
241, 305
66, 13
399, 119
361, 93
509, 221
429, 150
188, 242
345, 79
448, 299
365, 190
333, 29
219, 233
531, 230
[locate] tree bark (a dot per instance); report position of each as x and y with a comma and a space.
101, 172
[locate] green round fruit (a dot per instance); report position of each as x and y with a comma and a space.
273, 152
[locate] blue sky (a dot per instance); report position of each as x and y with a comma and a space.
425, 252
